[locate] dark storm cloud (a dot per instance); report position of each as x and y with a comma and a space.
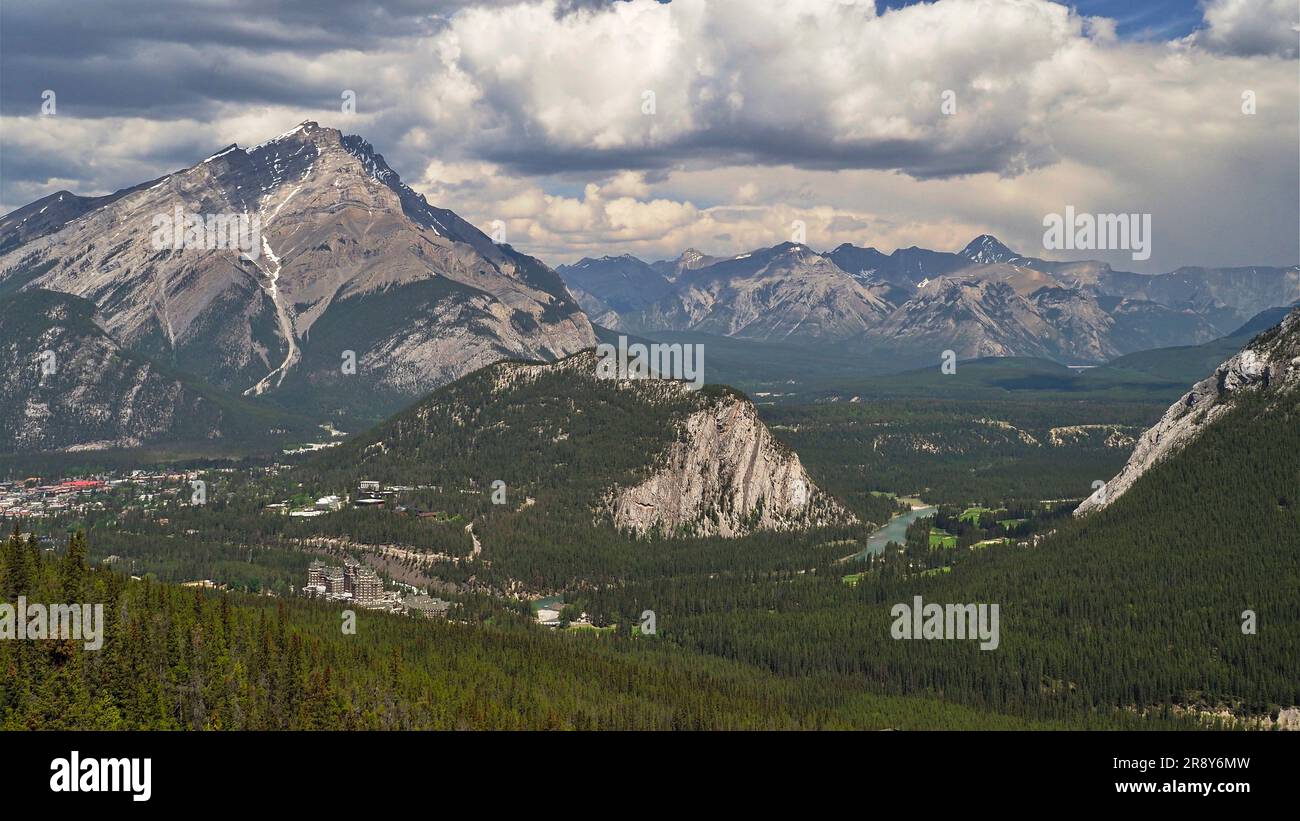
529, 102
82, 30
745, 145
131, 57
200, 61
172, 62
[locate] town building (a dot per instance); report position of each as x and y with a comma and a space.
334, 581
366, 586
427, 606
353, 582
315, 574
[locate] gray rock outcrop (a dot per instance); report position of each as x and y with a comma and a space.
1271, 362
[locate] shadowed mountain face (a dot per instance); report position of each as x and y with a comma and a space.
65, 384
338, 263
906, 267
986, 300
625, 284
987, 249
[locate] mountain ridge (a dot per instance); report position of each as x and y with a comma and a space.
692, 463
1080, 312
336, 228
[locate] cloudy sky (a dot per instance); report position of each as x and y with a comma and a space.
597, 127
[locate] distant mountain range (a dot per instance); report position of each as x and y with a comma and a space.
348, 265
350, 296
912, 304
1156, 376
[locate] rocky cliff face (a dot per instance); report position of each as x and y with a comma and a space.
65, 384
1271, 362
646, 455
347, 258
724, 476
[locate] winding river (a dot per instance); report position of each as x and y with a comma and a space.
895, 530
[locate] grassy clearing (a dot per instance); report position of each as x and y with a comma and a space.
942, 539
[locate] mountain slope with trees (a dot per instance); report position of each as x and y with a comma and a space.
65, 384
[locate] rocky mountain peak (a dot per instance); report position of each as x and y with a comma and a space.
987, 249
332, 234
690, 259
305, 131
797, 251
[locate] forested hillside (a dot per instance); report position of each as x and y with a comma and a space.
1137, 607
563, 444
179, 658
1131, 617
960, 449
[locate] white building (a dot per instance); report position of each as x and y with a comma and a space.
548, 617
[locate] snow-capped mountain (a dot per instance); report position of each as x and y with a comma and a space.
987, 249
